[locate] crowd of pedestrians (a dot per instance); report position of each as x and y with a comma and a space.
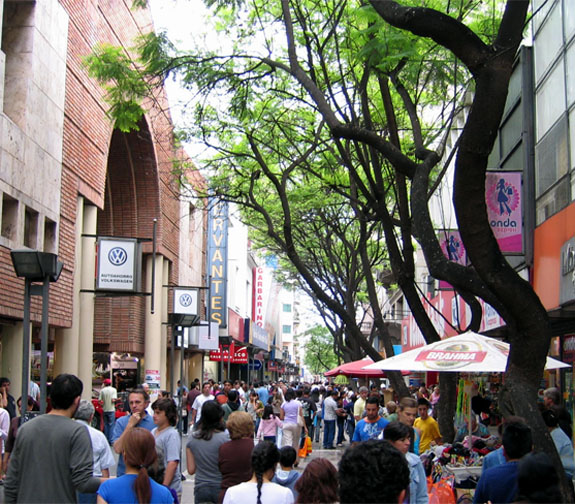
242, 445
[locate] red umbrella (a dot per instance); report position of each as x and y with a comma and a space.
354, 368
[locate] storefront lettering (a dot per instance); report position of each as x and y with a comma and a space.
217, 261
568, 259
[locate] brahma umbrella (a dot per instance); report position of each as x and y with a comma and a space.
468, 352
357, 368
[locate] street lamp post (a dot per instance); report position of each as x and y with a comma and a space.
35, 266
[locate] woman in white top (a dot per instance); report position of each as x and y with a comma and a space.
260, 489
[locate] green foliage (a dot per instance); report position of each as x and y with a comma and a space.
319, 354
309, 196
124, 85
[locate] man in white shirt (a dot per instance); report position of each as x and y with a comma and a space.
199, 402
108, 397
103, 456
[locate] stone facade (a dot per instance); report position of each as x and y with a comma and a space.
67, 174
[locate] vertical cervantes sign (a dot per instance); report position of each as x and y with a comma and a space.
218, 260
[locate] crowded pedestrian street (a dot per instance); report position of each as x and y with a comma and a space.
287, 251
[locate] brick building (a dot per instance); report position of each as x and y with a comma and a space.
67, 175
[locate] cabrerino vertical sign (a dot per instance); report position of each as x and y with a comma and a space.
218, 260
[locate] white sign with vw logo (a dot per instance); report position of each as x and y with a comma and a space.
186, 301
117, 261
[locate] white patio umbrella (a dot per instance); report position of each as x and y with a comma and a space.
468, 352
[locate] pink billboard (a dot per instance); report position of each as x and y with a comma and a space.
453, 248
504, 209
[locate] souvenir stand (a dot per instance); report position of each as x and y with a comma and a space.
466, 353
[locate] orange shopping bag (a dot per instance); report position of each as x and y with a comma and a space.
441, 492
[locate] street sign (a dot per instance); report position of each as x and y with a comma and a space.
256, 365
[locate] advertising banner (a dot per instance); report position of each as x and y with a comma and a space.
453, 248
230, 353
208, 337
259, 337
504, 209
118, 264
218, 261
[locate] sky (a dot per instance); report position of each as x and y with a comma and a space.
184, 22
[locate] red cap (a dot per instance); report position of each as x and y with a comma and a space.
107, 381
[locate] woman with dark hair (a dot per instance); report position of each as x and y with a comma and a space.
292, 416
202, 452
169, 443
139, 451
400, 435
259, 488
318, 483
235, 456
255, 408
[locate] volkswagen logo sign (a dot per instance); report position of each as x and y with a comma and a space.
185, 300
117, 256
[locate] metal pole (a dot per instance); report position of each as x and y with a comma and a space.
182, 383
25, 346
229, 359
172, 357
44, 344
153, 289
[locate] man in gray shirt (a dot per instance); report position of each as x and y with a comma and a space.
52, 457
329, 419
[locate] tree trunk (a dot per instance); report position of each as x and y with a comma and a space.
519, 396
447, 405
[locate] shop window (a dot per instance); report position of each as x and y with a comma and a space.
17, 44
550, 100
287, 308
551, 157
548, 42
30, 228
286, 329
49, 236
9, 217
553, 201
569, 18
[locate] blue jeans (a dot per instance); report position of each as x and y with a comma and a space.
86, 498
328, 433
340, 430
109, 422
207, 493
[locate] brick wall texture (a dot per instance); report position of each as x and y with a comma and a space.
127, 176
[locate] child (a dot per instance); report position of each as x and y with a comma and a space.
269, 424
287, 475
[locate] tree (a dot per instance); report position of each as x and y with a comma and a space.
361, 82
319, 350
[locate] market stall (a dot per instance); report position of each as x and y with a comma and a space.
468, 353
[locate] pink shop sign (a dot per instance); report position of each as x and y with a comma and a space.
504, 209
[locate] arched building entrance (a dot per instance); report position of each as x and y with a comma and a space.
132, 202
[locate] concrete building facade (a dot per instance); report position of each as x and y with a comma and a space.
67, 176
